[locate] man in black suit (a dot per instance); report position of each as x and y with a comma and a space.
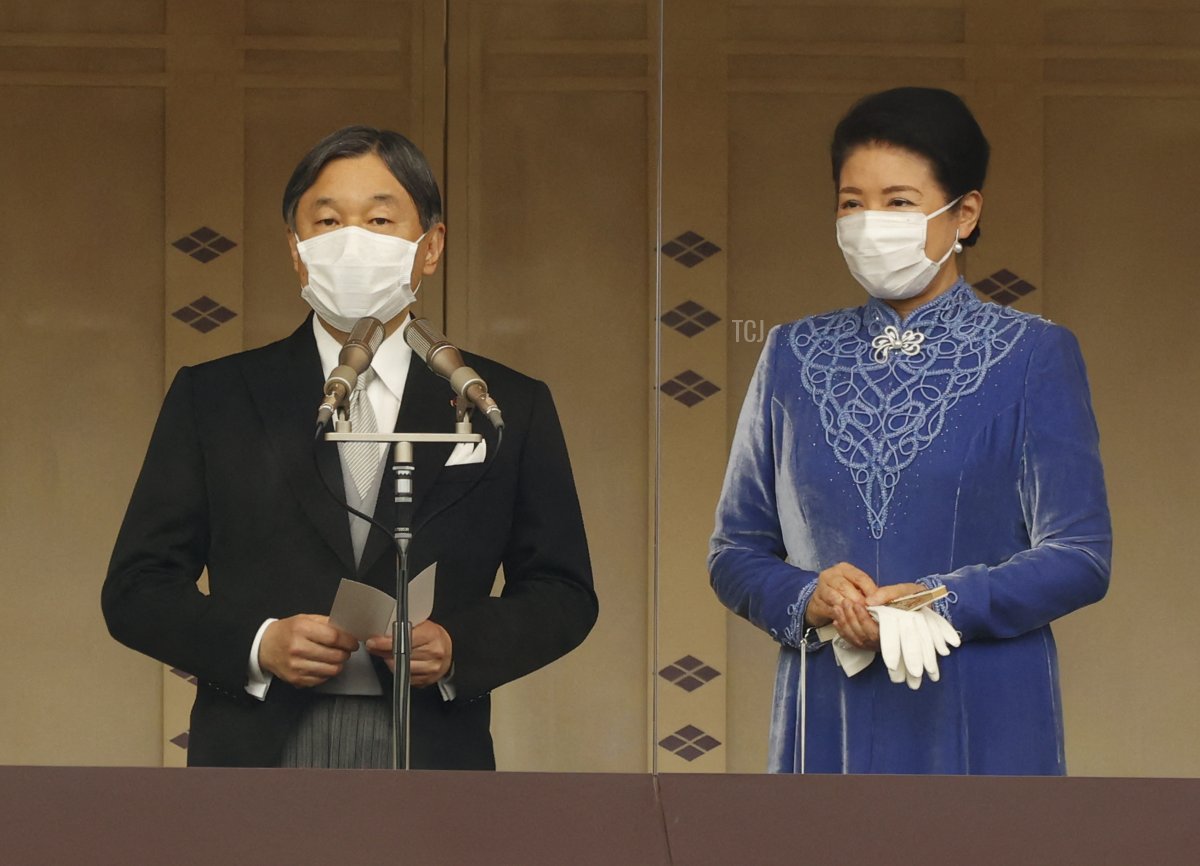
232, 482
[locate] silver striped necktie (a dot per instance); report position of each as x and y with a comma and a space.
362, 458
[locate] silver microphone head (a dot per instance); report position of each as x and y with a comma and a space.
441, 356
362, 344
355, 357
421, 335
438, 353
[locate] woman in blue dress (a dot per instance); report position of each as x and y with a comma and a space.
925, 439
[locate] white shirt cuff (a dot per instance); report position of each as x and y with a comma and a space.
257, 680
446, 685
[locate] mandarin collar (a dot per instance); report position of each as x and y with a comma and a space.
878, 314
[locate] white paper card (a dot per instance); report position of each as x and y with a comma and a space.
364, 610
420, 593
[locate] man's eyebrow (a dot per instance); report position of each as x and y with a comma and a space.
330, 201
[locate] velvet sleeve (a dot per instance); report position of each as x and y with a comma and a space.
1064, 506
747, 555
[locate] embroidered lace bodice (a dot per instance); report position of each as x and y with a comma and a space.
884, 386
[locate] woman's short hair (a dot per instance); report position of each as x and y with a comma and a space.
927, 121
403, 159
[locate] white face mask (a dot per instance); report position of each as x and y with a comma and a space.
885, 251
353, 273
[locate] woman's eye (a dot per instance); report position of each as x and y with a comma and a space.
900, 202
849, 204
327, 222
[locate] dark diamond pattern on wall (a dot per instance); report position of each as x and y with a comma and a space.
184, 675
689, 388
689, 673
689, 743
689, 318
204, 314
689, 249
1004, 287
204, 244
180, 740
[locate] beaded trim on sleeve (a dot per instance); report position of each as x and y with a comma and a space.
883, 387
793, 635
942, 606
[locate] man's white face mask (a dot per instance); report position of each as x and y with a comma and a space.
885, 251
354, 272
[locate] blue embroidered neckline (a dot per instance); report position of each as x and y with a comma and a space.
878, 415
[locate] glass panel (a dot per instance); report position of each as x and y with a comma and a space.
551, 178
751, 94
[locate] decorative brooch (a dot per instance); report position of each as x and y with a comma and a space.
891, 340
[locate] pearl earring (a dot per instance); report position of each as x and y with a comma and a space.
958, 247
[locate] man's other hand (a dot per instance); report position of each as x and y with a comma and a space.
432, 652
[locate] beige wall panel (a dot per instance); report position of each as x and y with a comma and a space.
692, 438
557, 288
56, 58
83, 16
203, 189
1004, 94
1160, 23
1120, 272
83, 301
552, 20
281, 125
831, 22
322, 19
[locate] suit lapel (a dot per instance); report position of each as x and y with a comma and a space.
287, 390
426, 408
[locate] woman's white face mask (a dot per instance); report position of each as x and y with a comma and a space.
885, 251
354, 273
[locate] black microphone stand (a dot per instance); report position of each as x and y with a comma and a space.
403, 472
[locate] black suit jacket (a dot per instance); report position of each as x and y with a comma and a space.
230, 484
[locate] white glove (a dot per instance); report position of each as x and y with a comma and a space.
911, 641
850, 658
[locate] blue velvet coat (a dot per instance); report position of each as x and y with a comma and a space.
971, 460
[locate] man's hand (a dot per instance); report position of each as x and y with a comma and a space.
432, 652
305, 650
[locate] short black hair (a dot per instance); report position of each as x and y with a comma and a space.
928, 121
403, 159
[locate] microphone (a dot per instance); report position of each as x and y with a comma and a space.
444, 359
360, 347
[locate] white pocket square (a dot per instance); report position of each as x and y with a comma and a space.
466, 452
